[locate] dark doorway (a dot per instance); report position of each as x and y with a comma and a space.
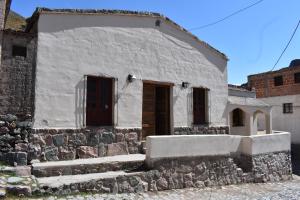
99, 101
199, 106
156, 109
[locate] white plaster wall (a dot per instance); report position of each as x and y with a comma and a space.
286, 122
71, 46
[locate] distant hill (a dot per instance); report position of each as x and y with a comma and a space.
15, 21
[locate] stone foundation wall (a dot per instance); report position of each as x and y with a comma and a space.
20, 145
201, 130
198, 172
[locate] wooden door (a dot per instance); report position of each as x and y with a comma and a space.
99, 101
148, 110
199, 105
162, 107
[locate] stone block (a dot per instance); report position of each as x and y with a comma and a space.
120, 137
117, 149
4, 130
131, 137
59, 139
34, 152
107, 138
51, 153
67, 154
92, 139
102, 150
21, 147
37, 139
87, 152
19, 190
48, 139
8, 118
77, 139
19, 158
2, 123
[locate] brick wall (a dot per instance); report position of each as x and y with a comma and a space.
265, 87
16, 82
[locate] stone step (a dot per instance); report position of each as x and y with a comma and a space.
108, 182
131, 162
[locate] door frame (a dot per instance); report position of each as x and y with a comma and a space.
170, 86
113, 104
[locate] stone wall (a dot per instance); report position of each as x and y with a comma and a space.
201, 130
197, 172
17, 82
21, 145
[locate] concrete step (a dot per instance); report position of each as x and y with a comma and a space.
131, 162
108, 182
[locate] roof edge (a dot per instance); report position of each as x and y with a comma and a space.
42, 10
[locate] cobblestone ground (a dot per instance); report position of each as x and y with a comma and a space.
289, 190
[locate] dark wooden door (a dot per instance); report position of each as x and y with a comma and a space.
148, 110
162, 110
99, 101
199, 105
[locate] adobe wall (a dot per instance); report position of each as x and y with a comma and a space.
72, 46
17, 82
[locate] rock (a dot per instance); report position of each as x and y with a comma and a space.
92, 139
8, 118
77, 139
24, 124
87, 152
20, 158
34, 151
132, 136
153, 187
48, 139
37, 139
117, 149
66, 154
199, 184
2, 123
21, 147
162, 184
51, 153
19, 190
107, 138
59, 140
2, 193
102, 150
14, 180
120, 137
4, 130
23, 171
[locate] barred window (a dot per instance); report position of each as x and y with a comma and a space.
287, 108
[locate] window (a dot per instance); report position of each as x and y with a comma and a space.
237, 117
278, 80
287, 108
297, 77
19, 51
199, 106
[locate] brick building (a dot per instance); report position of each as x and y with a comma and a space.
281, 89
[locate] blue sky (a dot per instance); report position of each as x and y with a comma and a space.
253, 39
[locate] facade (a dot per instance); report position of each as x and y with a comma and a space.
281, 89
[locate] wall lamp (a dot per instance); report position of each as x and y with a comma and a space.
131, 78
185, 85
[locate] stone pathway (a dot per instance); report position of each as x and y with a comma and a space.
289, 190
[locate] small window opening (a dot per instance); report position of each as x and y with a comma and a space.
297, 77
278, 80
237, 117
157, 23
19, 51
287, 108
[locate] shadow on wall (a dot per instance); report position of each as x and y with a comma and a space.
80, 103
168, 30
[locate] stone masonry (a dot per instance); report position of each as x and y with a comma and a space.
17, 82
201, 130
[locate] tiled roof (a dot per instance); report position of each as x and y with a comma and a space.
39, 11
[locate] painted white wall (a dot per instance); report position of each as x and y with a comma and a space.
71, 46
285, 122
162, 147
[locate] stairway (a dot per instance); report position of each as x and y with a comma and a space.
102, 175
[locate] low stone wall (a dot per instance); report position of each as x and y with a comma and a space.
201, 130
178, 173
